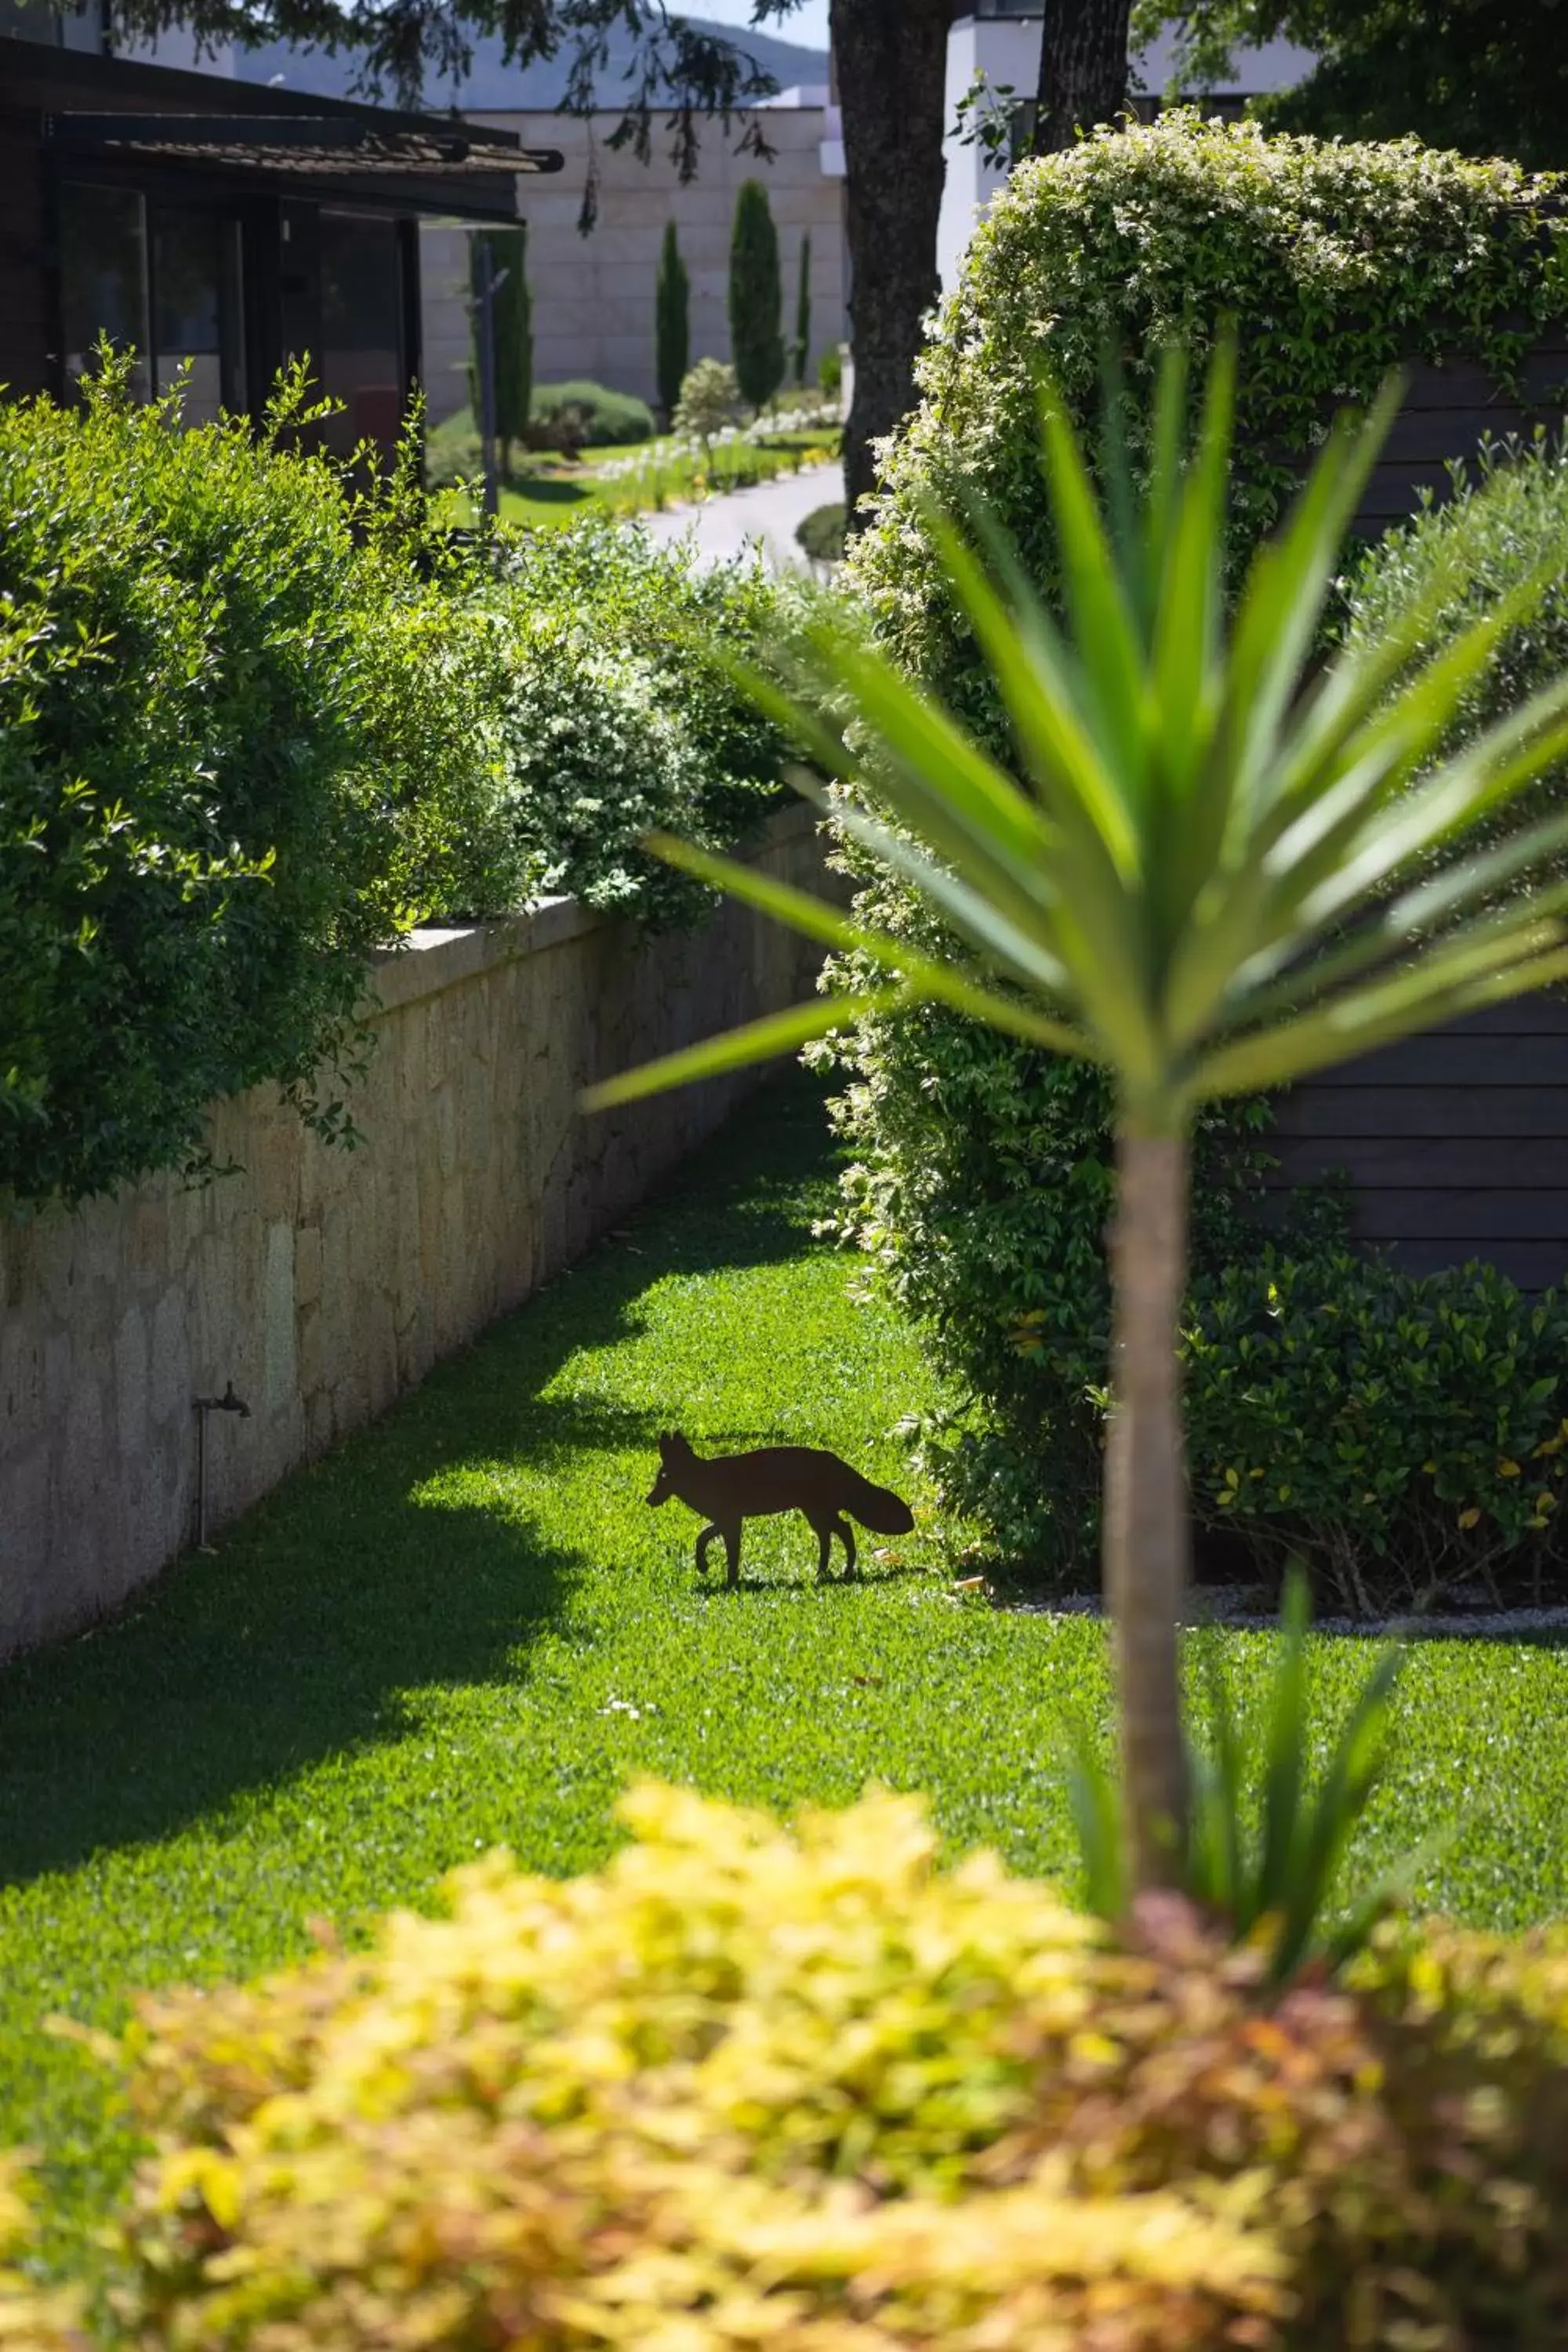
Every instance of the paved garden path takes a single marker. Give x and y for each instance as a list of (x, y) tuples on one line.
[(769, 512)]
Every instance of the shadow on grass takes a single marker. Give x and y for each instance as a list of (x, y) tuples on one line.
[(343, 1589), (548, 489)]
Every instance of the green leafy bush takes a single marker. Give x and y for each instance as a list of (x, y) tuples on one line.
[(710, 400), (594, 760), (254, 721), (1504, 528), (452, 452), (821, 533), (617, 714), (1404, 1435), (745, 2087), (241, 748)]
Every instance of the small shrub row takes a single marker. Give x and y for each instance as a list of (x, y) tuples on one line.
[(744, 2086), (563, 417)]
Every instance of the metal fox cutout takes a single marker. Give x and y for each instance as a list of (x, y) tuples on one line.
[(730, 1488)]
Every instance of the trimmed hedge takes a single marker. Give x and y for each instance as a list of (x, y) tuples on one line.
[(241, 743), (746, 2086), (1335, 261), (608, 418), (1320, 1385)]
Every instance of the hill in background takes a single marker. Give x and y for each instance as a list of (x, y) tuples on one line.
[(491, 84)]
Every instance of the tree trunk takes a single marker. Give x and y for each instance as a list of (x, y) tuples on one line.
[(890, 64), (1083, 69), (1145, 1539)]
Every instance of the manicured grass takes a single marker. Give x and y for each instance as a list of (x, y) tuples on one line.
[(466, 1627)]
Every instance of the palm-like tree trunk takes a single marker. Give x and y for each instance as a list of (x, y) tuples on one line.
[(1145, 1519)]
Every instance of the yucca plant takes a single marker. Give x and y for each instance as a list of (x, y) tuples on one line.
[(1209, 871), (1264, 1845)]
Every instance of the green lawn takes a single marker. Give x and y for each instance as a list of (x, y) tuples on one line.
[(548, 497), (465, 1628)]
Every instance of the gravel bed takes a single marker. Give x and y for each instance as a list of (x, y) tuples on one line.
[(1242, 1605)]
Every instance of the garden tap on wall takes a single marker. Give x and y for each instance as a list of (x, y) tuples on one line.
[(227, 1402)]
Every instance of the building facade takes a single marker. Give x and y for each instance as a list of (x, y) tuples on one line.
[(593, 294), (221, 228)]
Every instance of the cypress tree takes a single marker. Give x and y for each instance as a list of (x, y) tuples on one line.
[(511, 307), (802, 311), (757, 296), (672, 322)]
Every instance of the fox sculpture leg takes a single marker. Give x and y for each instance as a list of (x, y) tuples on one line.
[(731, 1540), (825, 1529)]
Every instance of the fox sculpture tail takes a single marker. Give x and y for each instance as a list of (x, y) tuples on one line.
[(877, 1507)]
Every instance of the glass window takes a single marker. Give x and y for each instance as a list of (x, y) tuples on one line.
[(103, 275), (362, 355), (196, 308)]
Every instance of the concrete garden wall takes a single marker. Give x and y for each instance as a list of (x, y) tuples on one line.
[(323, 1282)]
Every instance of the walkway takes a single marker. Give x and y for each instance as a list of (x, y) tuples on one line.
[(723, 528)]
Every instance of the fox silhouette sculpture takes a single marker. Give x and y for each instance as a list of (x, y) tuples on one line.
[(730, 1488)]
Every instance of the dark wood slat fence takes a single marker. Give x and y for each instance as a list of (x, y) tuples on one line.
[(1455, 1143)]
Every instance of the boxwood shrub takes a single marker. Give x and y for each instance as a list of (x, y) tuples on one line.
[(1402, 1434), (743, 2086)]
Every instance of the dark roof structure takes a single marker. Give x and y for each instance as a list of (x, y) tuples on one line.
[(311, 143)]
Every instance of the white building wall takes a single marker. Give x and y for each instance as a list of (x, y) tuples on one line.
[(593, 296)]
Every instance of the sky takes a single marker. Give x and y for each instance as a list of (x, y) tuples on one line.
[(807, 24)]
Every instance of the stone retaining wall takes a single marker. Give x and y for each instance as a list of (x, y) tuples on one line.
[(323, 1282)]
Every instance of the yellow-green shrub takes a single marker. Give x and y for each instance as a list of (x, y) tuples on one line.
[(32, 2319), (746, 2085)]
